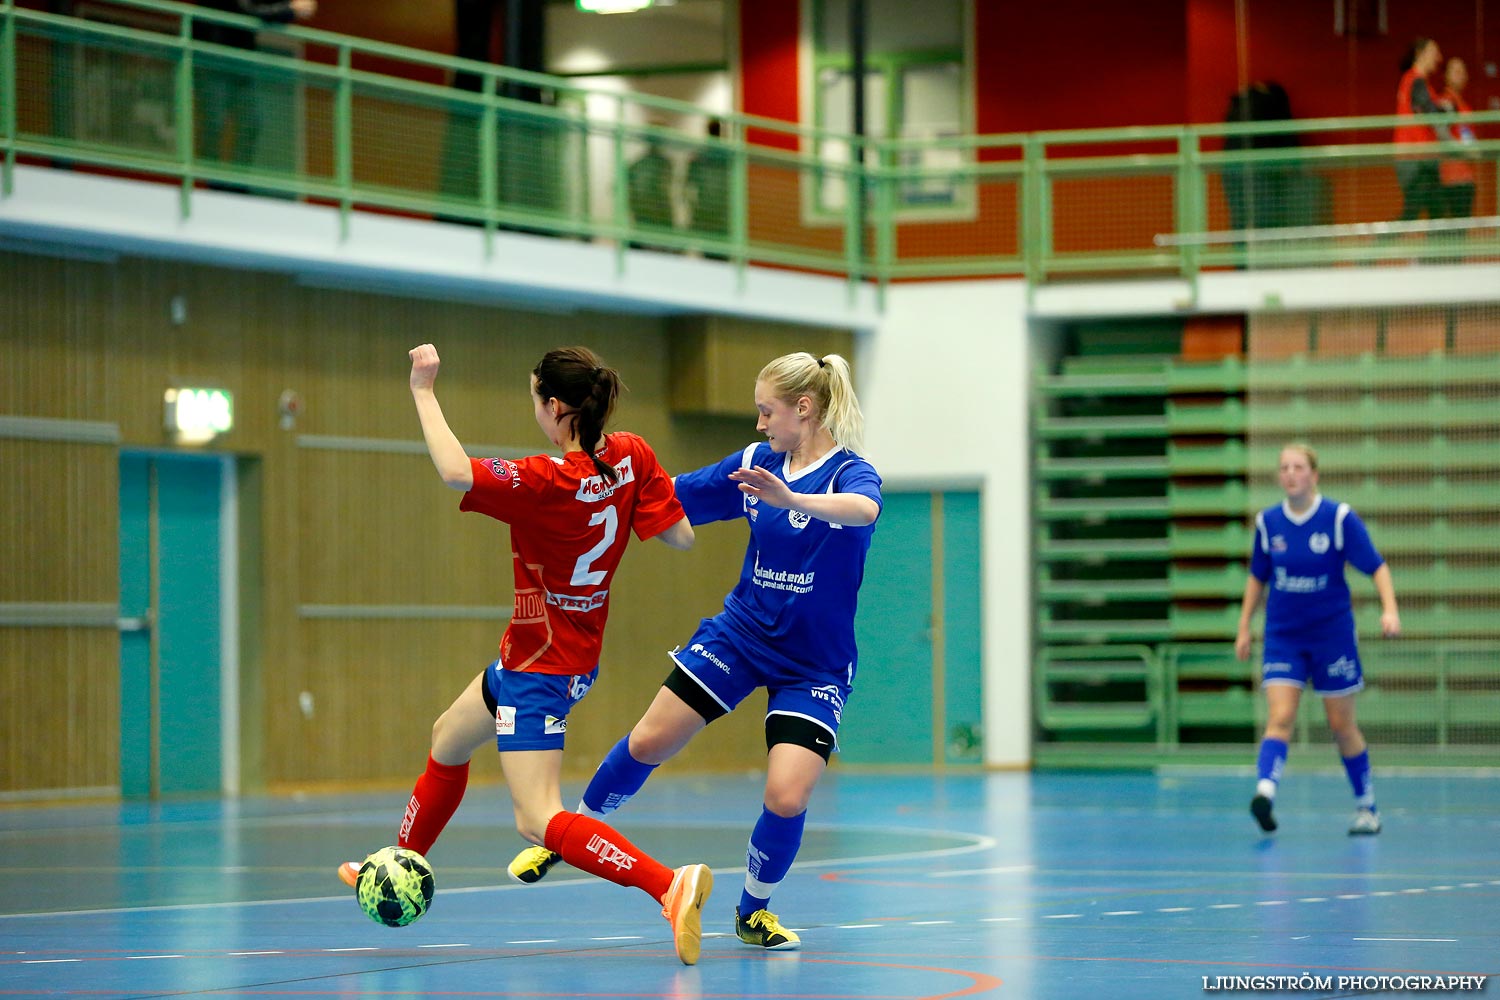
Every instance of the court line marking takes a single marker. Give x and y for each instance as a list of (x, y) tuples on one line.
[(975, 842), (866, 926), (1005, 870)]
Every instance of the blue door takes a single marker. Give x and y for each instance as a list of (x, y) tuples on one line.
[(170, 664), (917, 694)]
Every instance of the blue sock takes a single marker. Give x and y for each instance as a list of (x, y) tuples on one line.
[(1268, 765), (773, 847), (1358, 769), (618, 778)]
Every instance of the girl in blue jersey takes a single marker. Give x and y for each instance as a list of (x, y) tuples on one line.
[(1298, 556), (788, 625)]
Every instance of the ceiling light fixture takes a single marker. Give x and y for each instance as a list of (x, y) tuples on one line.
[(613, 6)]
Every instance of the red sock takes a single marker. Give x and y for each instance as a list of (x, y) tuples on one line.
[(599, 849), (439, 791)]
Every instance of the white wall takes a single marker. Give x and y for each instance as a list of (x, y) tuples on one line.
[(945, 385), (687, 32)]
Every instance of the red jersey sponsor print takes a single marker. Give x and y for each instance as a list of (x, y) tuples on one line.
[(569, 528)]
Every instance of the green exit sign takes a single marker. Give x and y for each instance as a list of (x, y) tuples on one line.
[(198, 415)]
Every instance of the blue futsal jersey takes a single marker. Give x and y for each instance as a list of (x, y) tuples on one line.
[(1301, 560), (796, 595)]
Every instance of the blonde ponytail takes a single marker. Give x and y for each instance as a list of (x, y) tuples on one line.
[(826, 381)]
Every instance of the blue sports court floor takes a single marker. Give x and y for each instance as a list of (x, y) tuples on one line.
[(1054, 885)]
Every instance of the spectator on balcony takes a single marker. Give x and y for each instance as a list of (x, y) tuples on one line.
[(1458, 173), (706, 190), (1421, 187), (650, 190), (1298, 553), (1260, 195), (227, 92)]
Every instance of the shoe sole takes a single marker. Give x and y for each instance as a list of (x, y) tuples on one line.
[(687, 914), (536, 875), (1260, 808), (783, 946), (349, 874), (790, 944)]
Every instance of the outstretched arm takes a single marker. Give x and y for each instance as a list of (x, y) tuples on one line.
[(852, 509), (1390, 617), (448, 455), (679, 536), (1253, 589)]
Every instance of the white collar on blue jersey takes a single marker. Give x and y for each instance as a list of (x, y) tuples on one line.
[(1306, 515), (792, 477)]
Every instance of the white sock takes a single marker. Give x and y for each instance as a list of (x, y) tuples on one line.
[(1266, 787)]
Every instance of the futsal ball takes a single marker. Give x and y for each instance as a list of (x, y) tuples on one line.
[(395, 886)]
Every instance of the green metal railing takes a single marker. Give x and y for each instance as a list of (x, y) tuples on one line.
[(364, 125)]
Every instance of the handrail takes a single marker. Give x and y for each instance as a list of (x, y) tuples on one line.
[(1325, 232), (1034, 205)]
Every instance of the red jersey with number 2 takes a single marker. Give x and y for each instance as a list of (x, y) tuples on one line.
[(568, 529)]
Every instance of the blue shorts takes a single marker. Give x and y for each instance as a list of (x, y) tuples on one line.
[(1331, 664), (531, 710), (716, 658)]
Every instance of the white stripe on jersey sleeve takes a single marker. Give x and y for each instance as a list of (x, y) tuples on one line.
[(1338, 527)]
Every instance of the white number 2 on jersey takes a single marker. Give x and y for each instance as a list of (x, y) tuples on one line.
[(582, 575)]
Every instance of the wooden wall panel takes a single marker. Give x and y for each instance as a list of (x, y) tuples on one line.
[(334, 525), (60, 505), (59, 713), (377, 687)]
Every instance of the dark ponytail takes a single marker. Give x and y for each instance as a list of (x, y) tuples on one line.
[(1409, 58), (577, 377)]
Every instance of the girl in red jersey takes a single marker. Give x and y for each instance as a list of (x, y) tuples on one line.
[(570, 519)]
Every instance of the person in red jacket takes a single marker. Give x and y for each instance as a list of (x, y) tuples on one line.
[(1458, 173), (1421, 187)]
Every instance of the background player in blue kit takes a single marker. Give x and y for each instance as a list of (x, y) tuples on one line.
[(788, 625), (1298, 555)]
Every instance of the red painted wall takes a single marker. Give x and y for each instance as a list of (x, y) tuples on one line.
[(1079, 64), (768, 62), (1084, 64)]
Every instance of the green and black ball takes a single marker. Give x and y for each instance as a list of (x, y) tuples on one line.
[(395, 886)]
